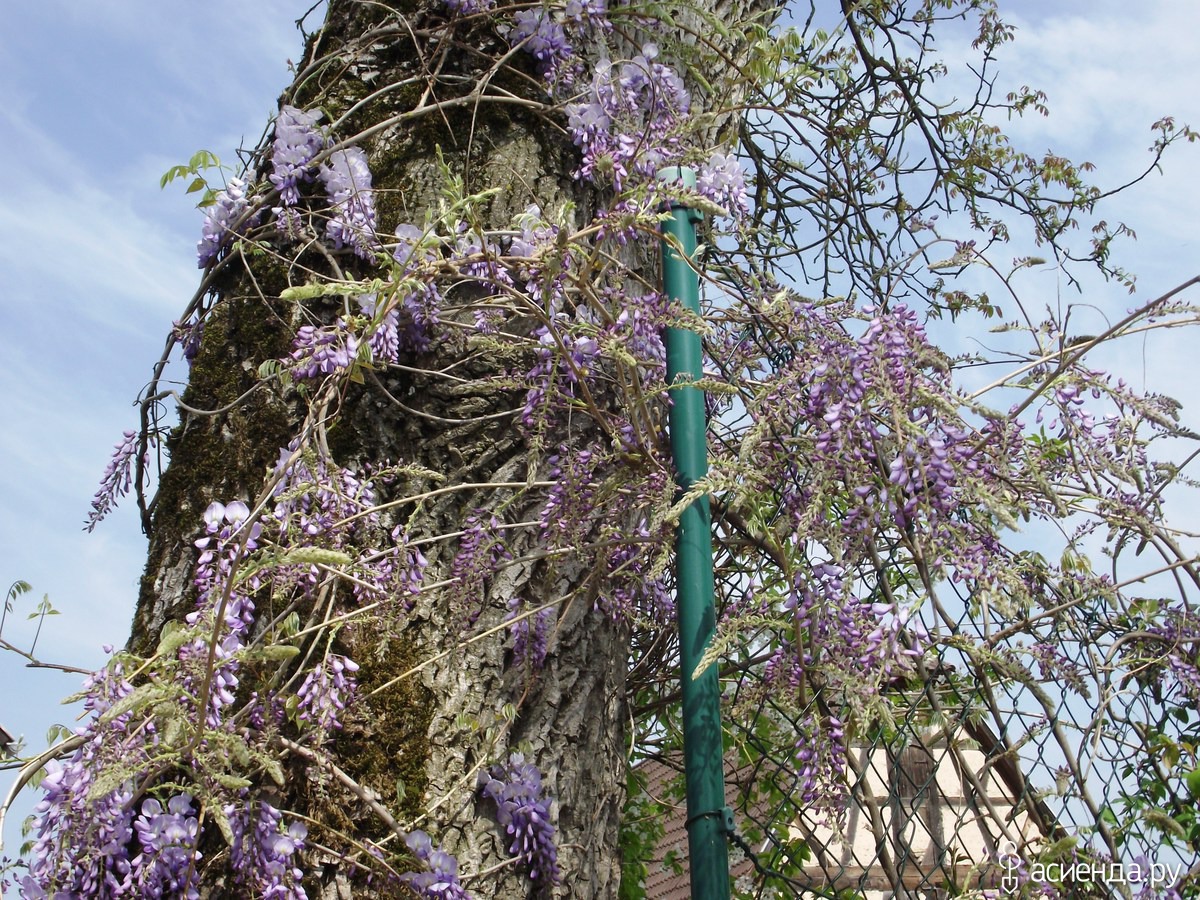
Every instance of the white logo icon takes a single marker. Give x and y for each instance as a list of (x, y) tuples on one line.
[(1007, 857)]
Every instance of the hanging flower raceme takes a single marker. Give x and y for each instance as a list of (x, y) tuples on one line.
[(222, 642), (530, 633), (117, 480), (166, 866), (523, 810), (263, 852), (228, 216), (820, 761), (440, 881), (628, 124), (326, 691), (538, 32), (297, 142), (347, 180), (84, 831), (188, 335), (550, 34), (323, 351), (723, 181)]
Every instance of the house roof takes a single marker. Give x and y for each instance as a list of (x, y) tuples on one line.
[(662, 881)]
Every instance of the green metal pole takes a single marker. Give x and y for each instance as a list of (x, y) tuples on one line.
[(708, 818)]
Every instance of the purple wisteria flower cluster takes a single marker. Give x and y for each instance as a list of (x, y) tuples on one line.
[(321, 351), (911, 474), (440, 881), (347, 180), (228, 216), (314, 494), (570, 507), (523, 811), (469, 7), (323, 505), (1174, 647), (91, 845), (167, 864), (264, 851), (90, 838), (481, 550), (629, 122), (632, 119), (820, 763), (550, 35), (636, 582), (222, 606), (117, 479), (384, 334), (723, 181), (530, 633), (297, 142), (552, 380), (326, 691), (188, 335), (1055, 667), (344, 175), (571, 349), (87, 840)]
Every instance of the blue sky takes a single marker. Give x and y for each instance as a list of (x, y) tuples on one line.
[(96, 261)]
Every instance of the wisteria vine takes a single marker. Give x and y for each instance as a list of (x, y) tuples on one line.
[(854, 480)]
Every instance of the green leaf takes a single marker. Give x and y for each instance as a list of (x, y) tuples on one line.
[(173, 731), (198, 184), (290, 625), (174, 636), (1164, 823), (315, 556), (222, 820), (107, 781), (279, 652), (331, 289), (274, 769), (57, 733), (241, 753), (171, 174), (140, 697), (202, 159), (1193, 782)]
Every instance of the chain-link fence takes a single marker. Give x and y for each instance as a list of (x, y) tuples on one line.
[(1025, 754)]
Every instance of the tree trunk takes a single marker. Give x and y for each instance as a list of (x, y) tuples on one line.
[(403, 81), (431, 732)]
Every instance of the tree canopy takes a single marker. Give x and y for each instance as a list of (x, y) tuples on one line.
[(407, 623)]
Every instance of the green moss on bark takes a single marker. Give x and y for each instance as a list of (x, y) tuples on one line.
[(221, 456)]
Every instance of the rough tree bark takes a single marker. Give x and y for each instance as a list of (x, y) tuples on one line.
[(425, 733), (405, 77)]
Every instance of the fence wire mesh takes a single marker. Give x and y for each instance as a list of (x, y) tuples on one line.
[(1016, 761), (1023, 756)]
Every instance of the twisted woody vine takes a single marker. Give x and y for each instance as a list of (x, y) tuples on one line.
[(872, 512)]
